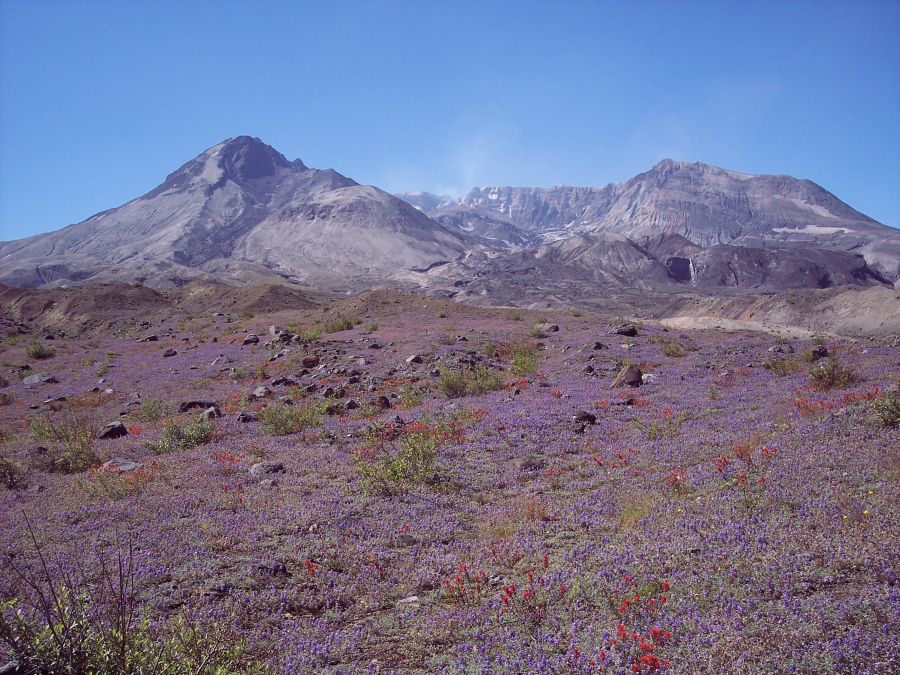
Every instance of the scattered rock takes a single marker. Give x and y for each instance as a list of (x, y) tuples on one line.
[(112, 430), (246, 417), (351, 405), (630, 376), (547, 327), (263, 468), (40, 378), (648, 378), (526, 463), (781, 349), (310, 361), (185, 406), (211, 413), (819, 352), (374, 345), (626, 329), (261, 392), (283, 382), (415, 358), (268, 482), (412, 601), (120, 465), (383, 403), (408, 540), (251, 339), (149, 338), (588, 369), (220, 359), (169, 352), (584, 416)]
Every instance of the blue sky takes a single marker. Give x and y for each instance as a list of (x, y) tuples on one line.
[(99, 101)]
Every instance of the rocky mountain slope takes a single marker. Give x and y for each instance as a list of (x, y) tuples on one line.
[(240, 211), (243, 214), (705, 204)]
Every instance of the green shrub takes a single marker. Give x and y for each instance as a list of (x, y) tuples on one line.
[(340, 323), (71, 443), (389, 466), (452, 383), (887, 410), (39, 351), (153, 409), (782, 367), (11, 474), (831, 374), (75, 628), (819, 339), (485, 380), (576, 314), (372, 327), (673, 349), (285, 420), (178, 436), (310, 334)]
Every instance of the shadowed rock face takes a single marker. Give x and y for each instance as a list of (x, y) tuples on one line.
[(238, 211)]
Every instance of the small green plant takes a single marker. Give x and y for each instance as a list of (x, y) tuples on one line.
[(246, 315), (485, 380), (410, 397), (153, 409), (102, 369), (537, 332), (576, 314), (39, 351), (239, 373), (543, 319), (713, 393), (88, 361), (514, 316), (887, 410), (69, 626), (489, 348), (11, 473), (285, 420), (178, 436), (389, 465), (310, 334), (110, 483), (371, 327), (819, 339), (673, 349), (523, 357), (442, 315), (831, 375), (452, 383), (782, 367), (340, 323), (70, 441)]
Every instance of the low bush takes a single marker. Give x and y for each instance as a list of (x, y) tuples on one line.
[(70, 443), (831, 374), (11, 473), (782, 367), (285, 420), (523, 356), (887, 410), (68, 626), (388, 465), (340, 323), (673, 349), (39, 351), (310, 334), (178, 436), (455, 383)]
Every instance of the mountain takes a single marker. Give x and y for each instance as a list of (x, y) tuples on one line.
[(240, 211), (243, 214), (704, 204)]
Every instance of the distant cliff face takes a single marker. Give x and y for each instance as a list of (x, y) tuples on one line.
[(704, 204)]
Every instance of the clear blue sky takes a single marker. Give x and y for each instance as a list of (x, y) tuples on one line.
[(99, 101)]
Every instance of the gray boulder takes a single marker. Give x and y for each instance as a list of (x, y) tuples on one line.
[(263, 468), (39, 378), (630, 376)]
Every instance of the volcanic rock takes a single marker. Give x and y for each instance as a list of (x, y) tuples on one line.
[(629, 376), (112, 430)]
